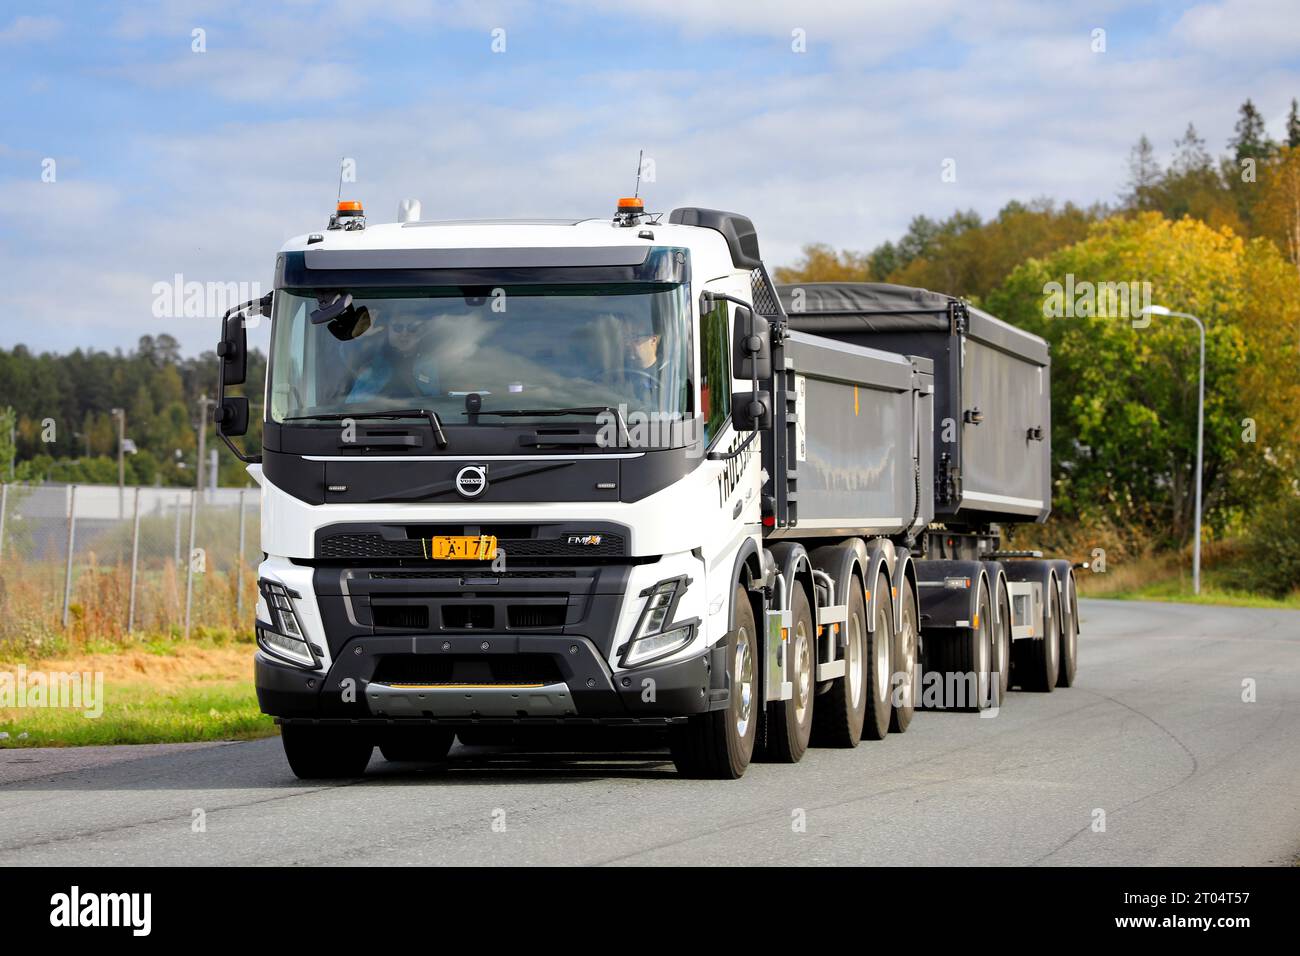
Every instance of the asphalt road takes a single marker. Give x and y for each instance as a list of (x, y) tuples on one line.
[(1155, 734)]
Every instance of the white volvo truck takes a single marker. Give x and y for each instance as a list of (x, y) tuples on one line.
[(569, 473)]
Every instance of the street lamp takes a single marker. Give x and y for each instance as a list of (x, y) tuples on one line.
[(120, 415), (1200, 439)]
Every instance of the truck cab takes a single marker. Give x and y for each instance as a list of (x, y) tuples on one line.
[(500, 477)]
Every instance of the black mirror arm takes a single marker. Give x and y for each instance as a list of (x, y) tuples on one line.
[(728, 455)]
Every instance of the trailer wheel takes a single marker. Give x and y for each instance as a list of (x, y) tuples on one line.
[(1038, 661), (961, 662), (325, 753), (1002, 654), (880, 657), (788, 723), (840, 713), (416, 744), (1069, 639), (905, 686), (718, 745)]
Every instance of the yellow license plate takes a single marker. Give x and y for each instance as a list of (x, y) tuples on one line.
[(454, 547)]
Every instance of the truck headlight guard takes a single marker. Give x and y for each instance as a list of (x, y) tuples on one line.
[(656, 634)]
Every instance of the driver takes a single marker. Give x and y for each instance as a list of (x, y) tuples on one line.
[(404, 366), (642, 371)]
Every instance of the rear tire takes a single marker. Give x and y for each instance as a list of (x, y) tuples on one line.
[(788, 723), (416, 744), (1038, 660), (1069, 664), (1002, 647), (880, 664), (906, 688), (841, 711), (718, 745), (962, 661), (325, 753)]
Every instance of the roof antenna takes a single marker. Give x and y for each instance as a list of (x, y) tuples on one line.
[(639, 156), (339, 197)]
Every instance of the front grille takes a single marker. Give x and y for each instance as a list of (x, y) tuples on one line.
[(403, 616), (349, 545), (470, 573), (476, 669), (522, 617)]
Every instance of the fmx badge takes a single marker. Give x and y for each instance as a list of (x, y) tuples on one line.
[(585, 539), (471, 481)]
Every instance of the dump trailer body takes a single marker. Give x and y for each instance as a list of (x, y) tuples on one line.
[(992, 409), (857, 417)]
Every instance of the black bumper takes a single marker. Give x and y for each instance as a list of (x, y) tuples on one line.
[(348, 693)]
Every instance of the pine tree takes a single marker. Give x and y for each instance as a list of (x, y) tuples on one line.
[(1293, 125), (1143, 175), (1251, 138)]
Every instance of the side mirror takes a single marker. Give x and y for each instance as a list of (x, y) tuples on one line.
[(751, 411), (233, 350), (751, 352), (231, 416)]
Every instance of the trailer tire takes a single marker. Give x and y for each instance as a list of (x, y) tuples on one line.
[(967, 654), (1002, 649), (325, 753), (838, 720), (718, 745), (416, 744), (787, 724), (906, 689), (1069, 655), (1038, 661)]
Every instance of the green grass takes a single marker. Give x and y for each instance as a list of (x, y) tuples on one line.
[(141, 714), (1212, 592)]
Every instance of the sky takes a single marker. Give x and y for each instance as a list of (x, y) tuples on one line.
[(147, 141)]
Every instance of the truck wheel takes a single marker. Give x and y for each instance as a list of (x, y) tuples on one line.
[(325, 753), (1002, 649), (788, 723), (718, 745), (905, 685), (842, 710), (1038, 660), (880, 657), (962, 661), (416, 744), (1069, 639)]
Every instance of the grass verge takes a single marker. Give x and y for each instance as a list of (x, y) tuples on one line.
[(162, 692)]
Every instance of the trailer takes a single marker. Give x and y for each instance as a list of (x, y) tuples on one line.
[(603, 473)]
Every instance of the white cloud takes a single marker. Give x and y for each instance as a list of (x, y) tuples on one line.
[(27, 29), (1242, 28)]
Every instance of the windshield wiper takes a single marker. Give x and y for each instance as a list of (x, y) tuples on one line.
[(435, 423), (592, 410)]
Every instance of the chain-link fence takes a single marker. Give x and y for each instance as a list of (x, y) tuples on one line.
[(97, 562)]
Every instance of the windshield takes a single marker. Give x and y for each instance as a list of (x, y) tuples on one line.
[(518, 348)]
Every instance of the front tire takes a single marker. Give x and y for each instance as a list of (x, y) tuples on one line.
[(325, 753), (719, 745)]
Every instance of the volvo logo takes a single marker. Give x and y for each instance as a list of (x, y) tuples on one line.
[(471, 481)]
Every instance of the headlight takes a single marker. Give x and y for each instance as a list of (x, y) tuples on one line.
[(656, 634), (284, 638)]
